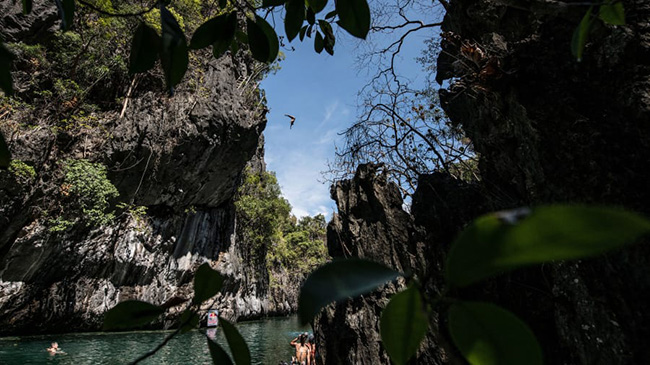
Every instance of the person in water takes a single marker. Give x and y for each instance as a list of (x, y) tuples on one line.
[(54, 349), (311, 343), (302, 350)]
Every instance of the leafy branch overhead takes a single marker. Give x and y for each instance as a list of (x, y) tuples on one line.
[(223, 32)]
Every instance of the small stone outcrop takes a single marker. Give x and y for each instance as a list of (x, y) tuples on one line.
[(370, 224)]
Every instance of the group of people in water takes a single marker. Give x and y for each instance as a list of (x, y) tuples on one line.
[(305, 350)]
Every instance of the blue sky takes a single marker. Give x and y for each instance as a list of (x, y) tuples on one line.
[(321, 92)]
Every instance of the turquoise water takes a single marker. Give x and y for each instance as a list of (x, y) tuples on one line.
[(267, 339)]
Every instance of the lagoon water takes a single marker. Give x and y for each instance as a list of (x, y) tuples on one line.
[(267, 339)]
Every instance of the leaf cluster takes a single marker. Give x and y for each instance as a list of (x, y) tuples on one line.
[(611, 12)]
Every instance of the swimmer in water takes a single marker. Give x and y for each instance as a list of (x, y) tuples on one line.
[(54, 349)]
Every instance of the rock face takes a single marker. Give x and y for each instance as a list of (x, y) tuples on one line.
[(547, 129), (181, 157), (370, 223)]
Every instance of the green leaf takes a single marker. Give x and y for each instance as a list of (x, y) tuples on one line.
[(303, 30), (487, 334), (403, 325), (207, 32), (354, 17), (223, 4), (234, 48), (318, 42), (329, 40), (27, 6), (262, 40), (331, 14), (613, 14), (189, 321), (218, 354), (258, 41), (6, 83), (236, 342), (225, 39), (173, 54), (294, 18), (218, 32), (131, 314), (66, 12), (317, 5), (581, 34), (5, 155), (340, 279), (269, 3), (144, 49), (503, 241), (207, 283), (311, 17)]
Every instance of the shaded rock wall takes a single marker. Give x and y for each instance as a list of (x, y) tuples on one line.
[(547, 129), (181, 157)]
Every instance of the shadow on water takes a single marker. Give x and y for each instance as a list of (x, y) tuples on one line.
[(268, 340)]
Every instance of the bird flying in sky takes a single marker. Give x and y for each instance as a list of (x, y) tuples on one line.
[(293, 120)]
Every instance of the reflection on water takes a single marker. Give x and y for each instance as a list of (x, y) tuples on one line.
[(268, 341)]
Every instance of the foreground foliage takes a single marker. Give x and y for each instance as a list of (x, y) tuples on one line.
[(495, 243)]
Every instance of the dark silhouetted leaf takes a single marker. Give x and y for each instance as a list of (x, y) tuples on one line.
[(331, 14), (223, 4), (294, 18), (144, 49), (581, 34), (329, 40), (317, 5), (131, 314), (502, 241), (66, 12), (207, 283), (311, 17), (340, 279), (269, 3), (237, 344), (173, 55), (234, 48), (318, 42), (271, 36), (303, 30), (487, 334), (5, 155), (208, 32), (403, 325), (258, 41), (223, 42), (27, 6), (218, 354), (6, 83), (189, 321), (613, 14), (354, 17)]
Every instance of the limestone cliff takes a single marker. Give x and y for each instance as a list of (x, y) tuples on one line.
[(181, 158), (547, 129)]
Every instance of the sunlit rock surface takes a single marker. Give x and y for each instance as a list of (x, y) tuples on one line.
[(181, 157)]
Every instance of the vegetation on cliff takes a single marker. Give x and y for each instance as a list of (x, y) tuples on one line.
[(293, 247)]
